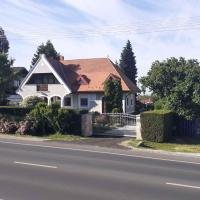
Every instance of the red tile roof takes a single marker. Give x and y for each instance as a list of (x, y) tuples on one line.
[(94, 70)]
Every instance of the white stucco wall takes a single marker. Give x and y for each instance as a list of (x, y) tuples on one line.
[(53, 90), (94, 101)]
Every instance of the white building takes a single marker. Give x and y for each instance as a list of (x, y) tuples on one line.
[(78, 84)]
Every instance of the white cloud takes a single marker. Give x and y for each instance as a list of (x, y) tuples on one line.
[(28, 23)]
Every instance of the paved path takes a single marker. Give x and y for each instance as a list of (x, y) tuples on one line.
[(50, 170)]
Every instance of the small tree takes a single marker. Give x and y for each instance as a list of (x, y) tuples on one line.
[(113, 95), (109, 89), (128, 63), (118, 95), (47, 49)]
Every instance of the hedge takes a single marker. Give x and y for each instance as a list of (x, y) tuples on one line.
[(15, 111), (157, 125)]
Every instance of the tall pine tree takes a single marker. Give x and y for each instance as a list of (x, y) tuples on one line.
[(128, 62), (5, 68), (4, 44), (47, 49)]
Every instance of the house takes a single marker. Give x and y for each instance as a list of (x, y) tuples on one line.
[(77, 84), (19, 75)]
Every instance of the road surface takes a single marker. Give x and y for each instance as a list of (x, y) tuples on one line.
[(47, 172)]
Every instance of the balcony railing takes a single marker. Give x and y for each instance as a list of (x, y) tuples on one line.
[(42, 87)]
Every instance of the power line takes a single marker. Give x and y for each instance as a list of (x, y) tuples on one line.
[(109, 30)]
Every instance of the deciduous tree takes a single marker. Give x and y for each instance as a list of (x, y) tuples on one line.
[(177, 83)]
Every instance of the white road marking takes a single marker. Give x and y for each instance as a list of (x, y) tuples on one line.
[(36, 165), (186, 186), (100, 152)]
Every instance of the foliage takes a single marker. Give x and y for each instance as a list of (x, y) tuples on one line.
[(52, 119), (31, 101), (113, 95), (40, 116), (12, 110), (116, 110), (156, 126), (128, 63), (176, 81), (4, 44), (5, 77), (160, 104), (47, 49)]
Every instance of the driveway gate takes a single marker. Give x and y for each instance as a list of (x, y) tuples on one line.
[(114, 124)]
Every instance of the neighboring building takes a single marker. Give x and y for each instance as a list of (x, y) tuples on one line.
[(77, 83), (19, 74)]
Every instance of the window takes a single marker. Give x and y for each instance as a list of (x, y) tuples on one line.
[(67, 101), (84, 102), (127, 101), (131, 101), (43, 78)]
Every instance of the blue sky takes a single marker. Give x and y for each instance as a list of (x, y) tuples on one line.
[(100, 28)]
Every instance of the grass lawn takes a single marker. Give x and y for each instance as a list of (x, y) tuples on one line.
[(60, 137), (183, 144)]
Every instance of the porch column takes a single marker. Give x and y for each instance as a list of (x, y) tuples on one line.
[(49, 101), (62, 102)]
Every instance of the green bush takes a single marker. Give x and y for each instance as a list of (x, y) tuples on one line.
[(52, 119), (31, 101), (41, 116), (157, 125), (116, 110), (12, 110)]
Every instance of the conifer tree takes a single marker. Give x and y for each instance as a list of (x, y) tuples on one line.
[(4, 44), (128, 62), (5, 68), (47, 49)]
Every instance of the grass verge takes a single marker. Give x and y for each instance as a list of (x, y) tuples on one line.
[(183, 144), (60, 137)]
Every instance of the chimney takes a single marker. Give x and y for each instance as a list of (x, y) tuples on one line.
[(61, 58)]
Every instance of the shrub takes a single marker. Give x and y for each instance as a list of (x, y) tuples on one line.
[(41, 116), (116, 110), (102, 120), (49, 119), (26, 127), (157, 125), (69, 121), (32, 101), (12, 110), (8, 126)]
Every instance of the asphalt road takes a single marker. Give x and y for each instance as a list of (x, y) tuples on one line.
[(43, 173)]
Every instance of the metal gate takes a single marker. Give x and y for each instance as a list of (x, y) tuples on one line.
[(114, 124)]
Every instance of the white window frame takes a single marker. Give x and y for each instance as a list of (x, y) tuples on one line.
[(83, 97), (70, 101)]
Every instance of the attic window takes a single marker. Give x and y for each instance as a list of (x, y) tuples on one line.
[(82, 80), (113, 77)]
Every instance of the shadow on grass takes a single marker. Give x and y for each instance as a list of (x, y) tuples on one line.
[(185, 140)]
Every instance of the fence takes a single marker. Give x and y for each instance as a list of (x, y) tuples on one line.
[(188, 127)]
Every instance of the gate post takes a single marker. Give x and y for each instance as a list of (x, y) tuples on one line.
[(138, 128), (86, 125)]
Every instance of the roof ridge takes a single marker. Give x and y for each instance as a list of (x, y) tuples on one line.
[(85, 59)]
